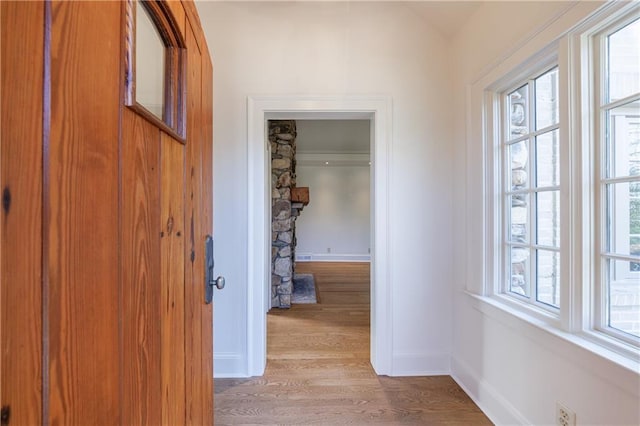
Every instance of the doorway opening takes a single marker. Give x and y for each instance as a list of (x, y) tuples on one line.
[(320, 203), (320, 288), (377, 111)]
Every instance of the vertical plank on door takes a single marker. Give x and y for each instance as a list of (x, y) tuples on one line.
[(83, 221), (140, 263), (194, 273), (191, 11), (172, 232), (207, 228), (22, 58)]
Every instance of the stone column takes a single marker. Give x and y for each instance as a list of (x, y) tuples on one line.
[(282, 137)]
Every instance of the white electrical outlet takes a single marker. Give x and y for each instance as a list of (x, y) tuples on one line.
[(564, 416)]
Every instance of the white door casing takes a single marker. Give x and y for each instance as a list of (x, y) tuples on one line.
[(378, 109)]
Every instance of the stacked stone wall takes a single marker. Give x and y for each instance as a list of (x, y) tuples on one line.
[(282, 137)]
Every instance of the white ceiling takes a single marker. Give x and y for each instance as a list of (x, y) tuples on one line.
[(352, 136), (446, 16), (332, 136)]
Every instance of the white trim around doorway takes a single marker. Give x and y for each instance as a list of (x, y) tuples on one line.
[(377, 109)]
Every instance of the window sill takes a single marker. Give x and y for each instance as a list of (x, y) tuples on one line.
[(529, 311), (621, 368)]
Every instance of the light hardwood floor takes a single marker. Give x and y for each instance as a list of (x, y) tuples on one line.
[(318, 369)]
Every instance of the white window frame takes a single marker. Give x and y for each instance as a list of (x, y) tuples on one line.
[(596, 108), (499, 273), (531, 191), (578, 318)]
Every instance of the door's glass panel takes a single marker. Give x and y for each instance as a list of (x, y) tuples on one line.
[(519, 260), (548, 277), (547, 99), (548, 159), (518, 112), (548, 223), (623, 283), (624, 62), (150, 63)]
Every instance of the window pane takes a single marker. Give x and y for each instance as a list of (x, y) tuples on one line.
[(548, 159), (624, 297), (518, 112), (519, 271), (623, 218), (150, 51), (623, 140), (548, 277), (634, 222), (548, 214), (634, 241), (547, 99), (624, 61), (519, 218), (518, 157)]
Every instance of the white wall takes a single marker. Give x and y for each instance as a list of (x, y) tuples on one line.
[(515, 371), (340, 49), (333, 160), (335, 225), (333, 136)]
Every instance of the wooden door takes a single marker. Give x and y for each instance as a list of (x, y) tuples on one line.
[(21, 181), (104, 218), (199, 329)]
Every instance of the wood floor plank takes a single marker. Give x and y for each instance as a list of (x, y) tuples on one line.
[(318, 368)]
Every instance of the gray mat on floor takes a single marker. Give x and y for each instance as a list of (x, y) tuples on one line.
[(304, 289)]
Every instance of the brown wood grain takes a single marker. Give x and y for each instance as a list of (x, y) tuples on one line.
[(176, 9), (140, 262), (207, 229), (318, 371), (339, 282), (83, 223), (172, 279), (194, 256), (192, 17), (21, 141), (93, 218)]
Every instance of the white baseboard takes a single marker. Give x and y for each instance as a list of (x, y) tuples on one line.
[(229, 365), (436, 364), (329, 257), (491, 402)]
